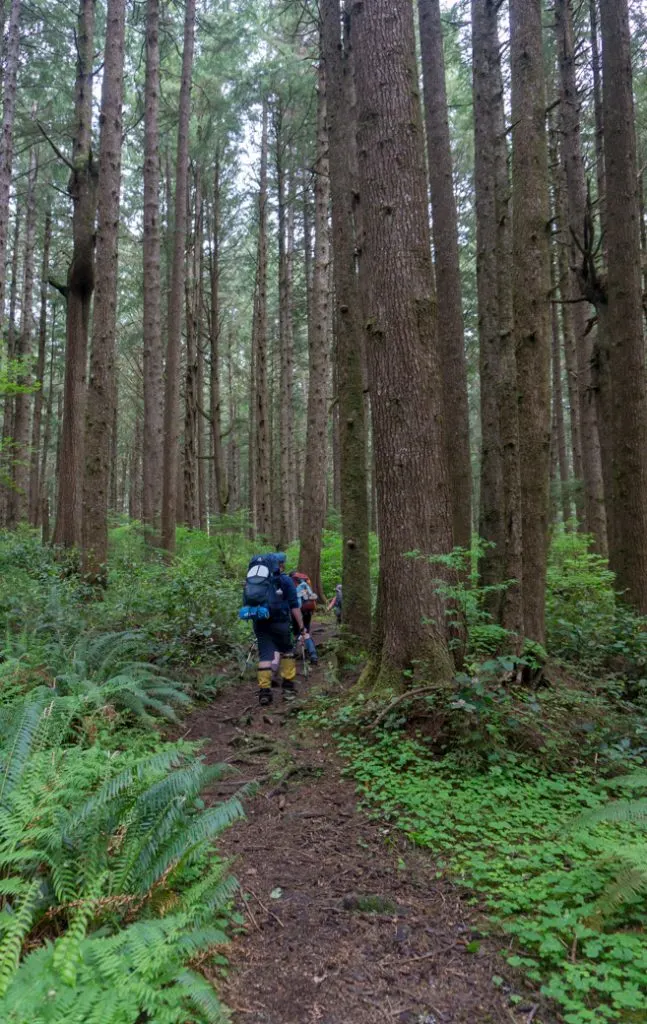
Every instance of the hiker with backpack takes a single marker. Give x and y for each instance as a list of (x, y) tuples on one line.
[(307, 603), (335, 604), (271, 604)]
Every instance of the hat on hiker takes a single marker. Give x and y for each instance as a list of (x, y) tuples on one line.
[(281, 557)]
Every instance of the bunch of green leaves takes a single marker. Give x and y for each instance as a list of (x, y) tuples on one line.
[(108, 882)]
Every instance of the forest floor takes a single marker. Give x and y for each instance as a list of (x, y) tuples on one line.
[(346, 922)]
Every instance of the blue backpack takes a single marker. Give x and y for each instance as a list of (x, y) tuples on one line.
[(262, 596)]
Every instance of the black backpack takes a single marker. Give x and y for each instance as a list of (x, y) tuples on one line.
[(262, 585)]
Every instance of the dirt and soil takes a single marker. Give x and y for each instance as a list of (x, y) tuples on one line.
[(346, 923)]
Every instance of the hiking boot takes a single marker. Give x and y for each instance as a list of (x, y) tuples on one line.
[(264, 698), (314, 660), (289, 692)]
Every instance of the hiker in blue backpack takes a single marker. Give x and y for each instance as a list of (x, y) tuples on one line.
[(270, 602)]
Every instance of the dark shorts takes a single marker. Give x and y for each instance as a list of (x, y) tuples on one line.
[(271, 637)]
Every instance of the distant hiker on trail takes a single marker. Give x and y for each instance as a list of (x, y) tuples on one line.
[(307, 603), (335, 604), (270, 602)]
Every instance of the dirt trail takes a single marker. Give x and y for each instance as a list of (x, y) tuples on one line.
[(346, 923)]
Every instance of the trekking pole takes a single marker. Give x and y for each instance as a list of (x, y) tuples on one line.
[(250, 651)]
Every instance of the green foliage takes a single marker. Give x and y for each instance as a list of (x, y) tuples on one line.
[(508, 836), (106, 872), (111, 895)]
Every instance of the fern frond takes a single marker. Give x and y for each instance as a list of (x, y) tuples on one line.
[(634, 811)]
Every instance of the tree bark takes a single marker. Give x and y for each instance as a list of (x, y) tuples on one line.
[(627, 350), (191, 389), (153, 429), (18, 510), (6, 452), (172, 386), (286, 341), (80, 287), (12, 54), (573, 164), (35, 503), (102, 385), (414, 506), (260, 470), (559, 433), (531, 290), (350, 421), (500, 506), (316, 455), (221, 488), (448, 275)]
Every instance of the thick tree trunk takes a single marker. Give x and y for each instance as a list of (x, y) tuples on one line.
[(80, 286), (176, 296), (221, 486), (316, 456), (153, 352), (414, 506), (260, 481), (19, 498), (102, 386), (531, 289), (575, 206), (35, 503), (627, 348), (350, 423), (448, 275), (491, 519)]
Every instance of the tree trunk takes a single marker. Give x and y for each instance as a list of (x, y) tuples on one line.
[(500, 513), (47, 439), (559, 433), (600, 161), (19, 497), (448, 276), (414, 506), (80, 286), (221, 488), (102, 383), (176, 296), (316, 455), (12, 54), (6, 450), (260, 469), (35, 503), (571, 156), (153, 430), (491, 519), (286, 342), (350, 422), (531, 290), (627, 350), (191, 390)]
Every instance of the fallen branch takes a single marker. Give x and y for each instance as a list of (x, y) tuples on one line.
[(409, 695)]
